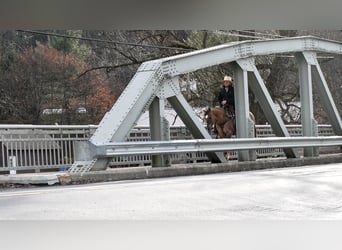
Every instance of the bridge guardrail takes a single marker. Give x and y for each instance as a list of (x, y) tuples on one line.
[(37, 147)]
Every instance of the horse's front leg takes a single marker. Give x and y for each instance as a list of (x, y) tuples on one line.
[(209, 129), (220, 131), (228, 131)]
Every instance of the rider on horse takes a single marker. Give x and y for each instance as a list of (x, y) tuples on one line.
[(222, 119), (226, 100), (226, 96)]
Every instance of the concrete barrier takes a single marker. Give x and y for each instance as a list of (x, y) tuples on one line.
[(197, 169), (135, 173)]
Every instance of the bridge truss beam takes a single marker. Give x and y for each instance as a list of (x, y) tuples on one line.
[(156, 81)]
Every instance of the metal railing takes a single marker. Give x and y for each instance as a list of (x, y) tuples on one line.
[(212, 145), (36, 147), (40, 147)]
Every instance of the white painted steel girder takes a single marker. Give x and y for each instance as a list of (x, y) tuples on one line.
[(159, 129), (243, 123), (134, 100), (305, 83), (305, 60), (168, 88), (230, 52), (213, 145), (326, 98)]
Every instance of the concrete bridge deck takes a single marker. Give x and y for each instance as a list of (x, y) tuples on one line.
[(133, 173)]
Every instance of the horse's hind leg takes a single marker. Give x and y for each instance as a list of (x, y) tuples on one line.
[(220, 131), (228, 130), (226, 155)]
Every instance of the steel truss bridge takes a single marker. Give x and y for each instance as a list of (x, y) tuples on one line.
[(157, 81)]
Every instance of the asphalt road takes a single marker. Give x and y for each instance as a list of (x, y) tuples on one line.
[(311, 192)]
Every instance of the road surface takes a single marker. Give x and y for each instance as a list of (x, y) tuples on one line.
[(311, 192)]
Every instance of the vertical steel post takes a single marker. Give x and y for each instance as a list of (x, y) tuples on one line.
[(159, 129), (243, 122), (309, 127)]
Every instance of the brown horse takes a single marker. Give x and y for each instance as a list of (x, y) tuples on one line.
[(224, 121)]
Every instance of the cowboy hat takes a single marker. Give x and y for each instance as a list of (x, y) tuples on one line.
[(227, 78)]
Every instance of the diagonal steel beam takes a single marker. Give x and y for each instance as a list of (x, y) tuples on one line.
[(326, 98), (134, 100), (193, 123), (259, 89)]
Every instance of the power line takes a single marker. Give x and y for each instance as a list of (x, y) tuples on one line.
[(236, 35), (101, 40), (254, 35), (142, 45), (260, 33)]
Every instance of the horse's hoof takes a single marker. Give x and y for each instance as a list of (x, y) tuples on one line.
[(226, 156)]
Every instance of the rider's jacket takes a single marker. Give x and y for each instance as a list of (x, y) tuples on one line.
[(227, 93)]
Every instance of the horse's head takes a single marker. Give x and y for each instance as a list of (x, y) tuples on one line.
[(206, 112)]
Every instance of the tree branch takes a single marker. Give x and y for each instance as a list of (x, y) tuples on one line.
[(111, 67)]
